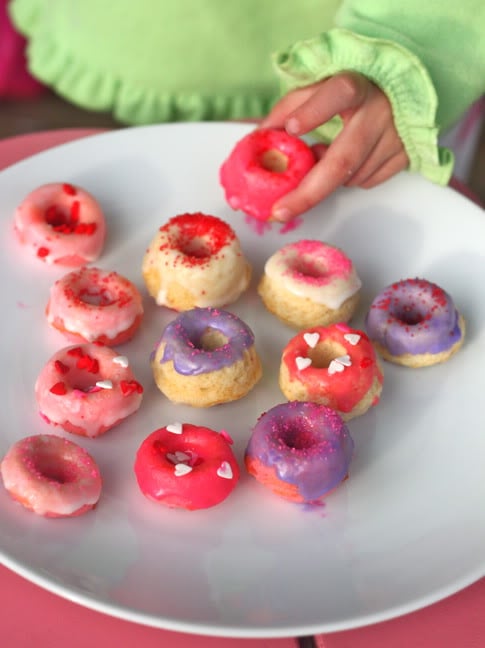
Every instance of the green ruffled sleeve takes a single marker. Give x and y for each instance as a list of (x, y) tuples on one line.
[(396, 70)]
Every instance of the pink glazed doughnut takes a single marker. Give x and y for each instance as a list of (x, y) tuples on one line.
[(92, 305), (186, 466), (264, 165), (87, 389), (61, 224), (51, 476)]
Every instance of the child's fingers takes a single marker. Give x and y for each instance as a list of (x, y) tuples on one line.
[(286, 105), (390, 168), (388, 146)]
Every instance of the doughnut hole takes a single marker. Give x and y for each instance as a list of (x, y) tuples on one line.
[(197, 247), (49, 467), (94, 296), (274, 161), (212, 339), (324, 352), (308, 268), (409, 314), (297, 438)]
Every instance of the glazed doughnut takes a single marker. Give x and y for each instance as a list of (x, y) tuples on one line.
[(87, 389), (51, 476), (335, 366), (195, 260), (299, 450), (204, 357), (415, 323), (264, 165), (61, 224), (310, 283), (92, 305), (186, 466)]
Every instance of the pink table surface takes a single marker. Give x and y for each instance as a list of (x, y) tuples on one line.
[(32, 616)]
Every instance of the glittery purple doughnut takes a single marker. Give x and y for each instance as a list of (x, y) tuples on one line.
[(413, 316), (184, 345), (306, 444)]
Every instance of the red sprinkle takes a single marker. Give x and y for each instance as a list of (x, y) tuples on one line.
[(42, 252), (59, 389), (130, 386), (61, 367), (69, 189)]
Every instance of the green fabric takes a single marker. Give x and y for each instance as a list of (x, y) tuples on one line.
[(149, 61), (165, 60)]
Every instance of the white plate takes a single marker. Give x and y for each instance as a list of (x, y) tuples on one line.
[(406, 529)]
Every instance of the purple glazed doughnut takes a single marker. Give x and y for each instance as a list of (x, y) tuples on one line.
[(299, 450), (204, 357), (414, 322)]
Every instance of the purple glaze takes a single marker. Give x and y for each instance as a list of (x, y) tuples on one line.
[(183, 341), (413, 316), (307, 444)]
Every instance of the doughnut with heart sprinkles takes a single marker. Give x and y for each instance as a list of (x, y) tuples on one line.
[(62, 224), (186, 466), (87, 389), (335, 366)]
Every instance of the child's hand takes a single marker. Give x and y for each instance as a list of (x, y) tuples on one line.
[(366, 152)]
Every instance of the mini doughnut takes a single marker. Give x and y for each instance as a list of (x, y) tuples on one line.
[(264, 165), (335, 366), (51, 476), (415, 323), (92, 305), (61, 224), (186, 466), (87, 389), (299, 450), (204, 357), (195, 260), (310, 283)]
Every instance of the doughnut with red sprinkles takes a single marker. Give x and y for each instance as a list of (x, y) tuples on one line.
[(332, 365), (93, 305), (195, 260), (60, 223), (415, 323), (186, 466), (51, 476), (87, 390)]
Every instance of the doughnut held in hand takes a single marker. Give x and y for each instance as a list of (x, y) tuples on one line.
[(414, 323), (335, 366), (92, 305), (310, 283), (264, 166), (62, 224), (300, 450), (204, 357), (87, 389), (51, 476), (195, 260), (186, 466)]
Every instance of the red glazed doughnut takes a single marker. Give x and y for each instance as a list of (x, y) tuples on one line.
[(61, 224), (87, 389), (264, 165), (186, 466), (92, 305), (51, 476), (335, 366)]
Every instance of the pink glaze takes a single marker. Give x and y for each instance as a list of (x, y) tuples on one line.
[(51, 476), (186, 466), (347, 378), (252, 182), (92, 305), (87, 389), (61, 224)]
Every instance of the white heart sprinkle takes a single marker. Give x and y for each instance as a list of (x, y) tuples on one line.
[(104, 384), (122, 361), (311, 339), (225, 470), (178, 457), (345, 360), (335, 367), (302, 363), (352, 338), (182, 469), (174, 428)]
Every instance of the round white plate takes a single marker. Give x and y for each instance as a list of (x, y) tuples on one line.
[(406, 529)]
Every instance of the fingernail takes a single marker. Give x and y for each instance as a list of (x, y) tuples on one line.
[(281, 214), (292, 126)]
